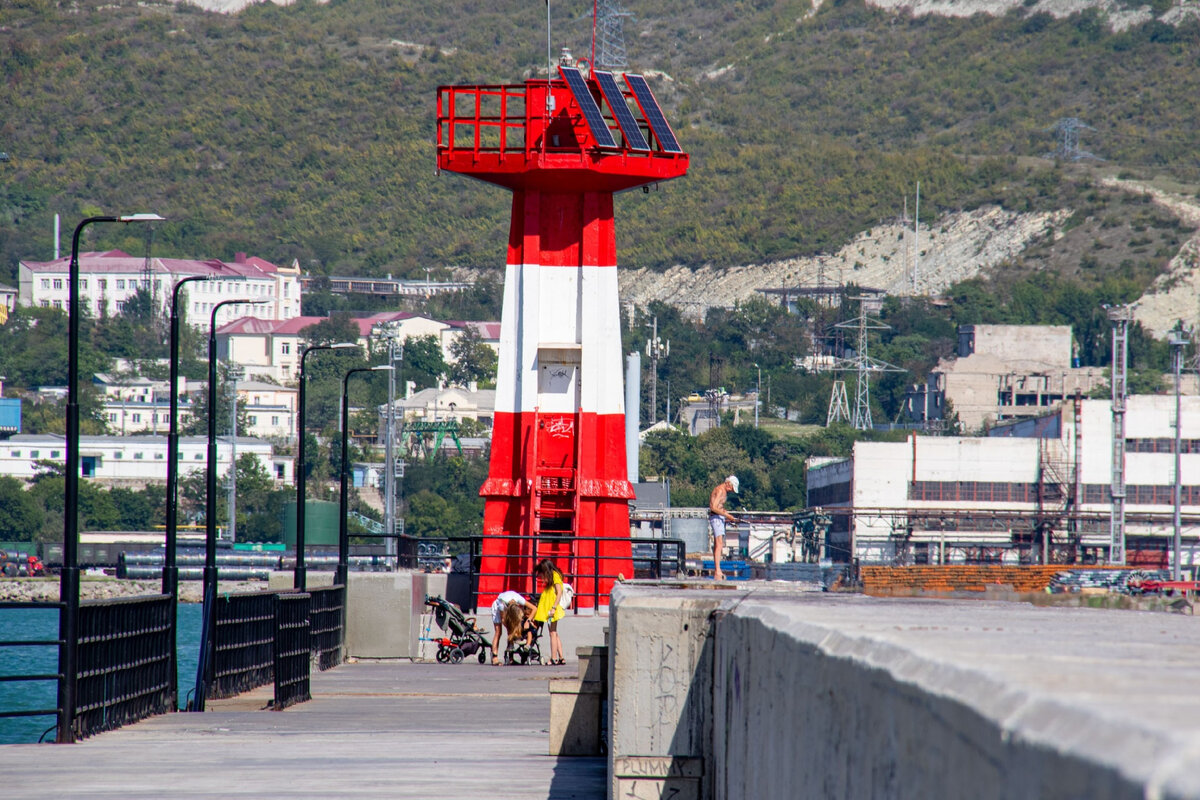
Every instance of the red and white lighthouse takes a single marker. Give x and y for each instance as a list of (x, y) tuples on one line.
[(558, 485)]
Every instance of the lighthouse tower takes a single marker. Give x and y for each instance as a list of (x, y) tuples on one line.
[(557, 484)]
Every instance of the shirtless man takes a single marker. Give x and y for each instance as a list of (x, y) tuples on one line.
[(717, 517)]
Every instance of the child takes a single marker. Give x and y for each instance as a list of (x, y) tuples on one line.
[(509, 609), (549, 607)]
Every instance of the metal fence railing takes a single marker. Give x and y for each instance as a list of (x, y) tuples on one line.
[(245, 643), (327, 620), (257, 632), (293, 649), (652, 558), (124, 658), (19, 651)]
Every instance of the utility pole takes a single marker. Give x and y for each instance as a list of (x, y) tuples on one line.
[(609, 44), (655, 349), (1178, 340), (757, 394), (233, 379), (862, 365), (917, 240), (395, 353), (1120, 316), (1068, 129)]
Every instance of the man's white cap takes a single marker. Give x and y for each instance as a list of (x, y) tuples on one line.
[(733, 481)]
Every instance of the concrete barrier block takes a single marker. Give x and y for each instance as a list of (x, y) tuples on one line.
[(383, 613), (658, 777), (660, 672), (575, 717), (593, 663)]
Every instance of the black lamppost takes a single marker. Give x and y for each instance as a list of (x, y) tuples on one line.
[(343, 567), (68, 626), (170, 576), (208, 634), (300, 578)]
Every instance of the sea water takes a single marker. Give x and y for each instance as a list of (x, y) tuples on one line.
[(25, 624)]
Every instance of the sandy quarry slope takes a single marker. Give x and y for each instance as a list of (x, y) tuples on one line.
[(1175, 294), (959, 246)]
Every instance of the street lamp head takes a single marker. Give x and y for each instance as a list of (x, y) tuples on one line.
[(383, 368), (343, 346), (141, 218)]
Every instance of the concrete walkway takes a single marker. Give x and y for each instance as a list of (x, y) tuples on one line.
[(373, 729)]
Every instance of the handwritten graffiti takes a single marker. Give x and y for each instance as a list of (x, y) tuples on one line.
[(561, 427), (653, 790)]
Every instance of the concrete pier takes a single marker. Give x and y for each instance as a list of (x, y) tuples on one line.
[(759, 691), (374, 729)]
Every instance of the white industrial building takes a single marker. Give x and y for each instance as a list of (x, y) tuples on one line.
[(133, 461), (107, 280), (1035, 490)]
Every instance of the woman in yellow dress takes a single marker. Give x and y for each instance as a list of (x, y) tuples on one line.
[(549, 607)]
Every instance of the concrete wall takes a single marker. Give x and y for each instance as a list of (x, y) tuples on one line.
[(818, 695), (660, 702), (383, 611)]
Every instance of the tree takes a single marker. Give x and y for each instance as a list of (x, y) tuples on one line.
[(21, 517), (423, 362), (335, 329), (136, 332), (474, 360)]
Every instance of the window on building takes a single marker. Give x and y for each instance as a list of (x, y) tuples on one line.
[(45, 283), (274, 420), (279, 472), (45, 304), (198, 457), (58, 284), (253, 419), (120, 306), (286, 348), (102, 283), (83, 285), (160, 456), (120, 283), (15, 453), (139, 455), (118, 454), (58, 304), (56, 454), (35, 453), (137, 418)]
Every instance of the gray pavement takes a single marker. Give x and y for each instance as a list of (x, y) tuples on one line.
[(373, 729)]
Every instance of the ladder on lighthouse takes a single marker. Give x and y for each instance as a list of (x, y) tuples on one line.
[(554, 500)]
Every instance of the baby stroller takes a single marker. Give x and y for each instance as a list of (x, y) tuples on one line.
[(462, 637), (526, 650)]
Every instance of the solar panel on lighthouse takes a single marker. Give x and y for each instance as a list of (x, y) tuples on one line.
[(587, 103), (616, 101), (653, 113)]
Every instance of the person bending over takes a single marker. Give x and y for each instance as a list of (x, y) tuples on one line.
[(508, 605)]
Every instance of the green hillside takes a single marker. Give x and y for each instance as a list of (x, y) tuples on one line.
[(307, 131)]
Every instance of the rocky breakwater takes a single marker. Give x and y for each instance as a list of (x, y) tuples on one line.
[(45, 590)]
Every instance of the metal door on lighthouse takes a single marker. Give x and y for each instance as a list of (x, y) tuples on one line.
[(556, 445)]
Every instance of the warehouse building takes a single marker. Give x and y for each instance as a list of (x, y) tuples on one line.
[(1037, 491)]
